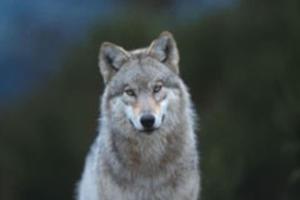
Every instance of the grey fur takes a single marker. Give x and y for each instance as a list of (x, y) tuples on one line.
[(126, 163)]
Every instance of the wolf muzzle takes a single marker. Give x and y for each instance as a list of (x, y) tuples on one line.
[(148, 121)]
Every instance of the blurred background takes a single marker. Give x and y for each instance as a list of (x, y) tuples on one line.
[(241, 60)]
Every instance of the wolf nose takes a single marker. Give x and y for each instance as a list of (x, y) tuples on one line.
[(147, 121)]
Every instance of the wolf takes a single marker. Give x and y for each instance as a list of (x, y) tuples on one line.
[(146, 145)]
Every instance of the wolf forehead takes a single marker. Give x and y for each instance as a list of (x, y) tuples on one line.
[(144, 73), (160, 58)]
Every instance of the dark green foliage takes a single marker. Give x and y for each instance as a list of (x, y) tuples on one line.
[(242, 66)]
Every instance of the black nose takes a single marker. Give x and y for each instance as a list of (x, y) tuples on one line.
[(147, 121)]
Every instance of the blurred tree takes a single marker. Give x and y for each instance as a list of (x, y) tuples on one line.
[(152, 5)]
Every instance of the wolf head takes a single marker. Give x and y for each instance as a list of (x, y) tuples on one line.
[(143, 91)]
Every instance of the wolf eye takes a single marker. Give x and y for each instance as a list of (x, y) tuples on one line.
[(157, 88), (129, 92)]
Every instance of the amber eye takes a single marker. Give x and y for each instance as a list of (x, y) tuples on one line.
[(157, 88), (129, 92)]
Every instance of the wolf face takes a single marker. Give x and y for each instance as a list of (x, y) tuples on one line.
[(142, 85), (145, 108)]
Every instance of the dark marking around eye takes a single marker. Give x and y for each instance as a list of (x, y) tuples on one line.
[(130, 92), (157, 88)]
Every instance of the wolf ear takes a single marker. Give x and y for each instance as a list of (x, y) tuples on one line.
[(111, 58), (165, 50)]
